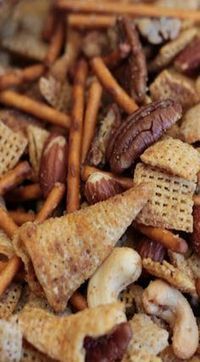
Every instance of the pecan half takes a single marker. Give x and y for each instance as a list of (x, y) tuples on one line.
[(139, 131), (188, 61), (109, 123), (148, 248), (136, 69), (108, 348)]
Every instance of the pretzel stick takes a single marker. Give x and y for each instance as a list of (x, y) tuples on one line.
[(78, 301), (93, 104), (196, 199), (164, 237), (92, 21), (54, 198), (25, 193), (133, 10), (111, 85), (125, 182), (37, 109), (117, 56), (3, 265), (75, 137), (56, 43), (14, 177), (7, 224), (20, 217), (21, 76)]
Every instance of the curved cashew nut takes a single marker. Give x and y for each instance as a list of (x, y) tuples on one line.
[(121, 268), (168, 303)]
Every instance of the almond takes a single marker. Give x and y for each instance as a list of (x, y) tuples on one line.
[(100, 187), (195, 237), (148, 248), (53, 166)]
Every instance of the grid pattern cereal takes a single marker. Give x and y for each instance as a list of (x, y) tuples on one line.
[(12, 146), (190, 129), (170, 274), (9, 300), (174, 156), (171, 204)]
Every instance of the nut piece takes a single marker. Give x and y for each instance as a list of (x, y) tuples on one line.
[(170, 84), (188, 60), (139, 131), (136, 70), (100, 187), (158, 31), (148, 248), (169, 304), (195, 237), (53, 166), (110, 347)]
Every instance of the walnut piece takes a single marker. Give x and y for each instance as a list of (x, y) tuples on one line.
[(188, 60), (139, 131)]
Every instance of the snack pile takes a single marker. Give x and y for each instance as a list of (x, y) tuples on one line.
[(99, 181)]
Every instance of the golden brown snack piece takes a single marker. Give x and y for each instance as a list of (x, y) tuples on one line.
[(172, 275), (66, 343), (12, 146), (36, 140), (170, 193), (168, 356), (10, 341), (175, 157), (147, 336), (140, 356), (190, 127), (30, 354), (14, 177), (171, 84), (78, 243), (6, 247), (9, 300)]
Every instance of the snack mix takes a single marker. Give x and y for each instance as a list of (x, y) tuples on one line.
[(99, 181)]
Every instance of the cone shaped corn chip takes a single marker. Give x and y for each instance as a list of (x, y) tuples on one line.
[(66, 251)]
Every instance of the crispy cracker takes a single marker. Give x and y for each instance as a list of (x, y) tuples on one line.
[(10, 341), (180, 262), (172, 275), (190, 127), (6, 247), (171, 205), (147, 336), (9, 300), (66, 343), (169, 51), (171, 84), (36, 140), (12, 146), (57, 93), (175, 157), (26, 45), (132, 296), (140, 356), (174, 131), (66, 251), (194, 263)]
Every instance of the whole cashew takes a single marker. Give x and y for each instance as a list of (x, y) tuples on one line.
[(121, 268), (162, 300)]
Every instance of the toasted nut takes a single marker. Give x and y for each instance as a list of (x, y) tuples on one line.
[(139, 131), (53, 166), (120, 269), (148, 248), (100, 187), (162, 300), (195, 237), (188, 60)]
